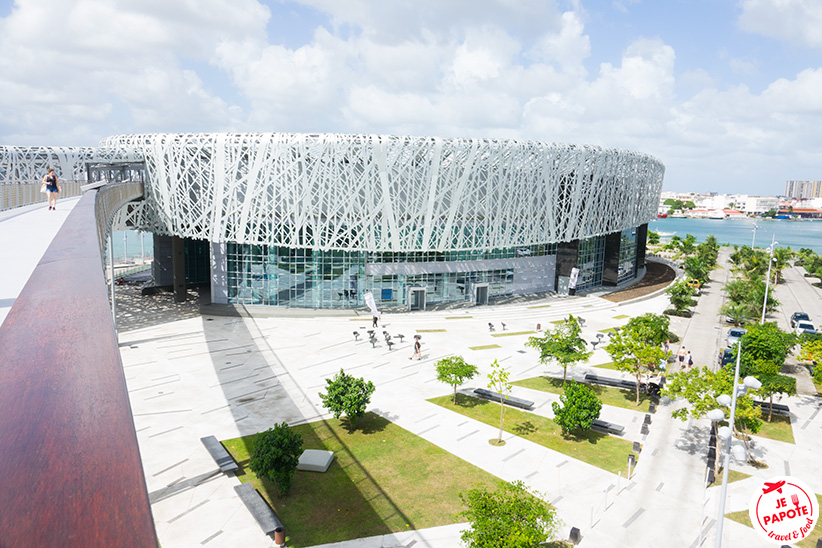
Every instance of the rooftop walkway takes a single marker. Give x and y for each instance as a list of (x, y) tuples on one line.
[(191, 375)]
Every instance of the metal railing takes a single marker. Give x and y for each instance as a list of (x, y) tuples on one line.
[(24, 193)]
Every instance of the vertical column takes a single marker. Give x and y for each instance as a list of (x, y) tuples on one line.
[(567, 259), (178, 267), (641, 242), (610, 268), (219, 277)]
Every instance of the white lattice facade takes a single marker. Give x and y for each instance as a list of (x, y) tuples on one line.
[(317, 220)]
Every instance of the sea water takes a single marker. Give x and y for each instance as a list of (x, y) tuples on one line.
[(796, 234)]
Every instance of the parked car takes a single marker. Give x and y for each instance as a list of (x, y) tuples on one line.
[(726, 356), (734, 334), (799, 316), (803, 326)]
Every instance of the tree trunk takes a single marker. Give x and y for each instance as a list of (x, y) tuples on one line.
[(564, 373), (455, 394), (770, 408), (638, 376), (501, 412)]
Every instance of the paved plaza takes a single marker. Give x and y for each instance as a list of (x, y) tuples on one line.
[(192, 374)]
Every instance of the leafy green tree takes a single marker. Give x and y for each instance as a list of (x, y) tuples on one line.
[(498, 381), (773, 385), (688, 245), (764, 350), (347, 394), (738, 314), (275, 454), (708, 251), (680, 294), (637, 347), (454, 370), (689, 204), (811, 349), (580, 407), (700, 387), (653, 237), (564, 345), (697, 269), (510, 517)]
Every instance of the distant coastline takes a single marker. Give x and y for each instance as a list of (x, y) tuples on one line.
[(796, 234)]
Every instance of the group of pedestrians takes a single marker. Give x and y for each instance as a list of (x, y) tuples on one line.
[(377, 317), (686, 361)]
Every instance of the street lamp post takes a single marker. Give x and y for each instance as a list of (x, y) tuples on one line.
[(726, 433), (771, 259), (753, 240)]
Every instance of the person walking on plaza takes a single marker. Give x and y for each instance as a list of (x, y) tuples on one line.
[(681, 355), (417, 348), (689, 360), (52, 188), (374, 320)]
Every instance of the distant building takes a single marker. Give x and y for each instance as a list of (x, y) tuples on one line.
[(759, 204), (803, 189)]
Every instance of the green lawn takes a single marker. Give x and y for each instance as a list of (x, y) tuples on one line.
[(810, 541), (383, 479), (484, 347), (606, 394), (733, 475), (511, 333), (601, 450), (609, 365), (779, 428)]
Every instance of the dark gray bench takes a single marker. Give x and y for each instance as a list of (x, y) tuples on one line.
[(219, 454), (510, 400), (607, 427), (778, 408), (262, 512), (608, 381)]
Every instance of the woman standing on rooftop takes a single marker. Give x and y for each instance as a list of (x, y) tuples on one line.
[(52, 188)]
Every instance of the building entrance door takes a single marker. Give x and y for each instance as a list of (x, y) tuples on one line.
[(416, 298), (480, 294)]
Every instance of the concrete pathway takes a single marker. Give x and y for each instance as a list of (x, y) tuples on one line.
[(25, 234)]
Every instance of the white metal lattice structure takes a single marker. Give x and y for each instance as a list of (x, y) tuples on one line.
[(24, 165), (386, 193)]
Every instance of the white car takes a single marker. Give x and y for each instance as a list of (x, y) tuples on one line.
[(734, 334), (804, 326)]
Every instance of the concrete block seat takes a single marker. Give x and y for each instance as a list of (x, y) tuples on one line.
[(315, 460)]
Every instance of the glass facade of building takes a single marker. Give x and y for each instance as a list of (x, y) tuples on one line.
[(627, 255), (282, 276), (590, 261)]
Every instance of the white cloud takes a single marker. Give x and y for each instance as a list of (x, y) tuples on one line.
[(68, 61), (796, 21)]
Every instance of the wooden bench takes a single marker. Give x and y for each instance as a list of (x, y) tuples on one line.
[(262, 512), (510, 400), (778, 408), (219, 454), (607, 427)]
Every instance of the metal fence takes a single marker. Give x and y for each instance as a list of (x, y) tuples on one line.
[(27, 193)]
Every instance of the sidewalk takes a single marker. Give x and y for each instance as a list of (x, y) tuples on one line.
[(25, 234)]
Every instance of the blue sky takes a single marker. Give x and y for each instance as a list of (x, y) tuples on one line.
[(725, 93)]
